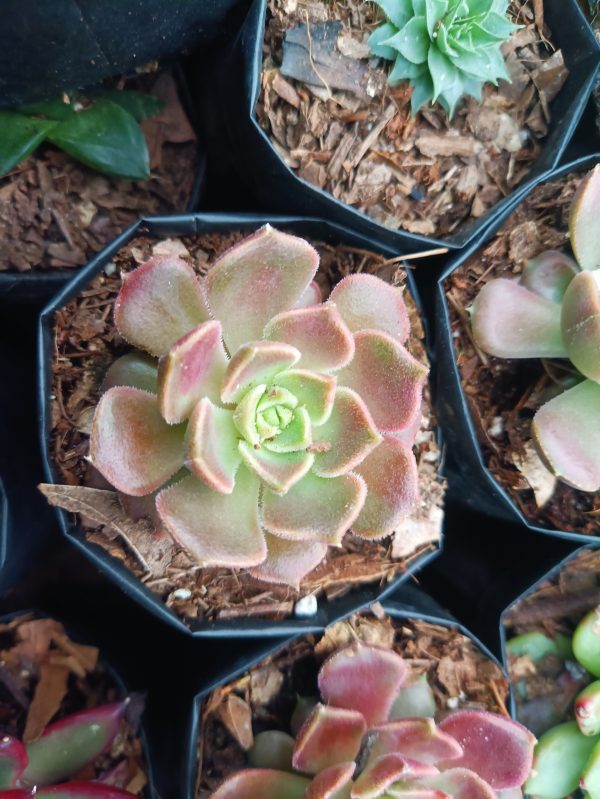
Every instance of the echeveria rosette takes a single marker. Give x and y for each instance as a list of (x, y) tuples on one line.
[(553, 311), (62, 751), (261, 421), (353, 745), (446, 49)]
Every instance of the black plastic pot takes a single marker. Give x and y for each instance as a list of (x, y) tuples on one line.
[(195, 224), (35, 288), (550, 575), (46, 48), (408, 603), (152, 789), (476, 486), (233, 90)]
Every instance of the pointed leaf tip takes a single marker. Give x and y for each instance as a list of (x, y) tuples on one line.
[(159, 303), (345, 680), (479, 733), (262, 276)]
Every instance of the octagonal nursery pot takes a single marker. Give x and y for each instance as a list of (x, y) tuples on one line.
[(69, 724), (212, 601), (277, 689), (234, 91), (550, 650), (483, 402)]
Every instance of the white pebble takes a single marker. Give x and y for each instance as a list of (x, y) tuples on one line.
[(497, 427), (181, 593), (110, 269), (306, 607)]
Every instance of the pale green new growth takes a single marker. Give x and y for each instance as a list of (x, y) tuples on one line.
[(446, 49)]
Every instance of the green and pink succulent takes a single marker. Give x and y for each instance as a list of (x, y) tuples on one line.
[(366, 740), (567, 756), (259, 422), (553, 311), (37, 769)]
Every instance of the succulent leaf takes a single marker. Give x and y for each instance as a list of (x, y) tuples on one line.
[(315, 509), (559, 759), (159, 303), (459, 783), (288, 562), (334, 782), (583, 221), (82, 790), (266, 783), (455, 43), (418, 739), (212, 452), (313, 391), (566, 431), (278, 470), (319, 332), (255, 363), (215, 529), (263, 275), (367, 303), (480, 733), (586, 642), (131, 444), (510, 321), (345, 680), (310, 296), (346, 438), (272, 749), (587, 709), (549, 274), (329, 736), (136, 369), (13, 760), (392, 479), (379, 773), (580, 323), (193, 368), (415, 699), (68, 745), (537, 645), (387, 377), (590, 777)]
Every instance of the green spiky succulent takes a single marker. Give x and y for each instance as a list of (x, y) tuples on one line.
[(446, 49)]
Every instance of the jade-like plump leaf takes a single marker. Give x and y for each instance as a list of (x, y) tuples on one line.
[(580, 323), (272, 749), (329, 736), (537, 645), (417, 738), (583, 221), (549, 274), (446, 48), (265, 783), (415, 699), (82, 790), (13, 760), (559, 759), (381, 772), (587, 709), (334, 782), (586, 642), (590, 777)]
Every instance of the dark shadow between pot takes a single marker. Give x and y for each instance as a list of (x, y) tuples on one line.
[(36, 288), (408, 603), (475, 486), (195, 224), (242, 151)]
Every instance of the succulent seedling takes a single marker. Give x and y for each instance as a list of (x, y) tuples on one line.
[(262, 423), (354, 744), (567, 756), (64, 748), (446, 49), (553, 311)]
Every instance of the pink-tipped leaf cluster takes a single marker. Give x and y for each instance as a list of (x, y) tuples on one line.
[(38, 768), (352, 745), (553, 311), (261, 422)]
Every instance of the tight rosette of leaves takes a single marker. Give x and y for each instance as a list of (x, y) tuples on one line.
[(553, 311), (446, 49), (367, 740), (264, 423)]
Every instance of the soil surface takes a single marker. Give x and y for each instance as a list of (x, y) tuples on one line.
[(545, 688), (45, 676), (86, 344), (334, 119), (503, 395), (57, 213), (265, 697)]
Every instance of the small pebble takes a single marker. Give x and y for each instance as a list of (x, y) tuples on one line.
[(181, 594), (110, 269), (306, 607), (497, 427)]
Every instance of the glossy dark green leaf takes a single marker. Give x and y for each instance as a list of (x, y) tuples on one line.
[(106, 138), (19, 136), (55, 109), (140, 105)]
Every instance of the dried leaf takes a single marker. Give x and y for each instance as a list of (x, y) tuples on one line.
[(541, 480), (237, 717), (49, 694), (265, 684), (153, 552)]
